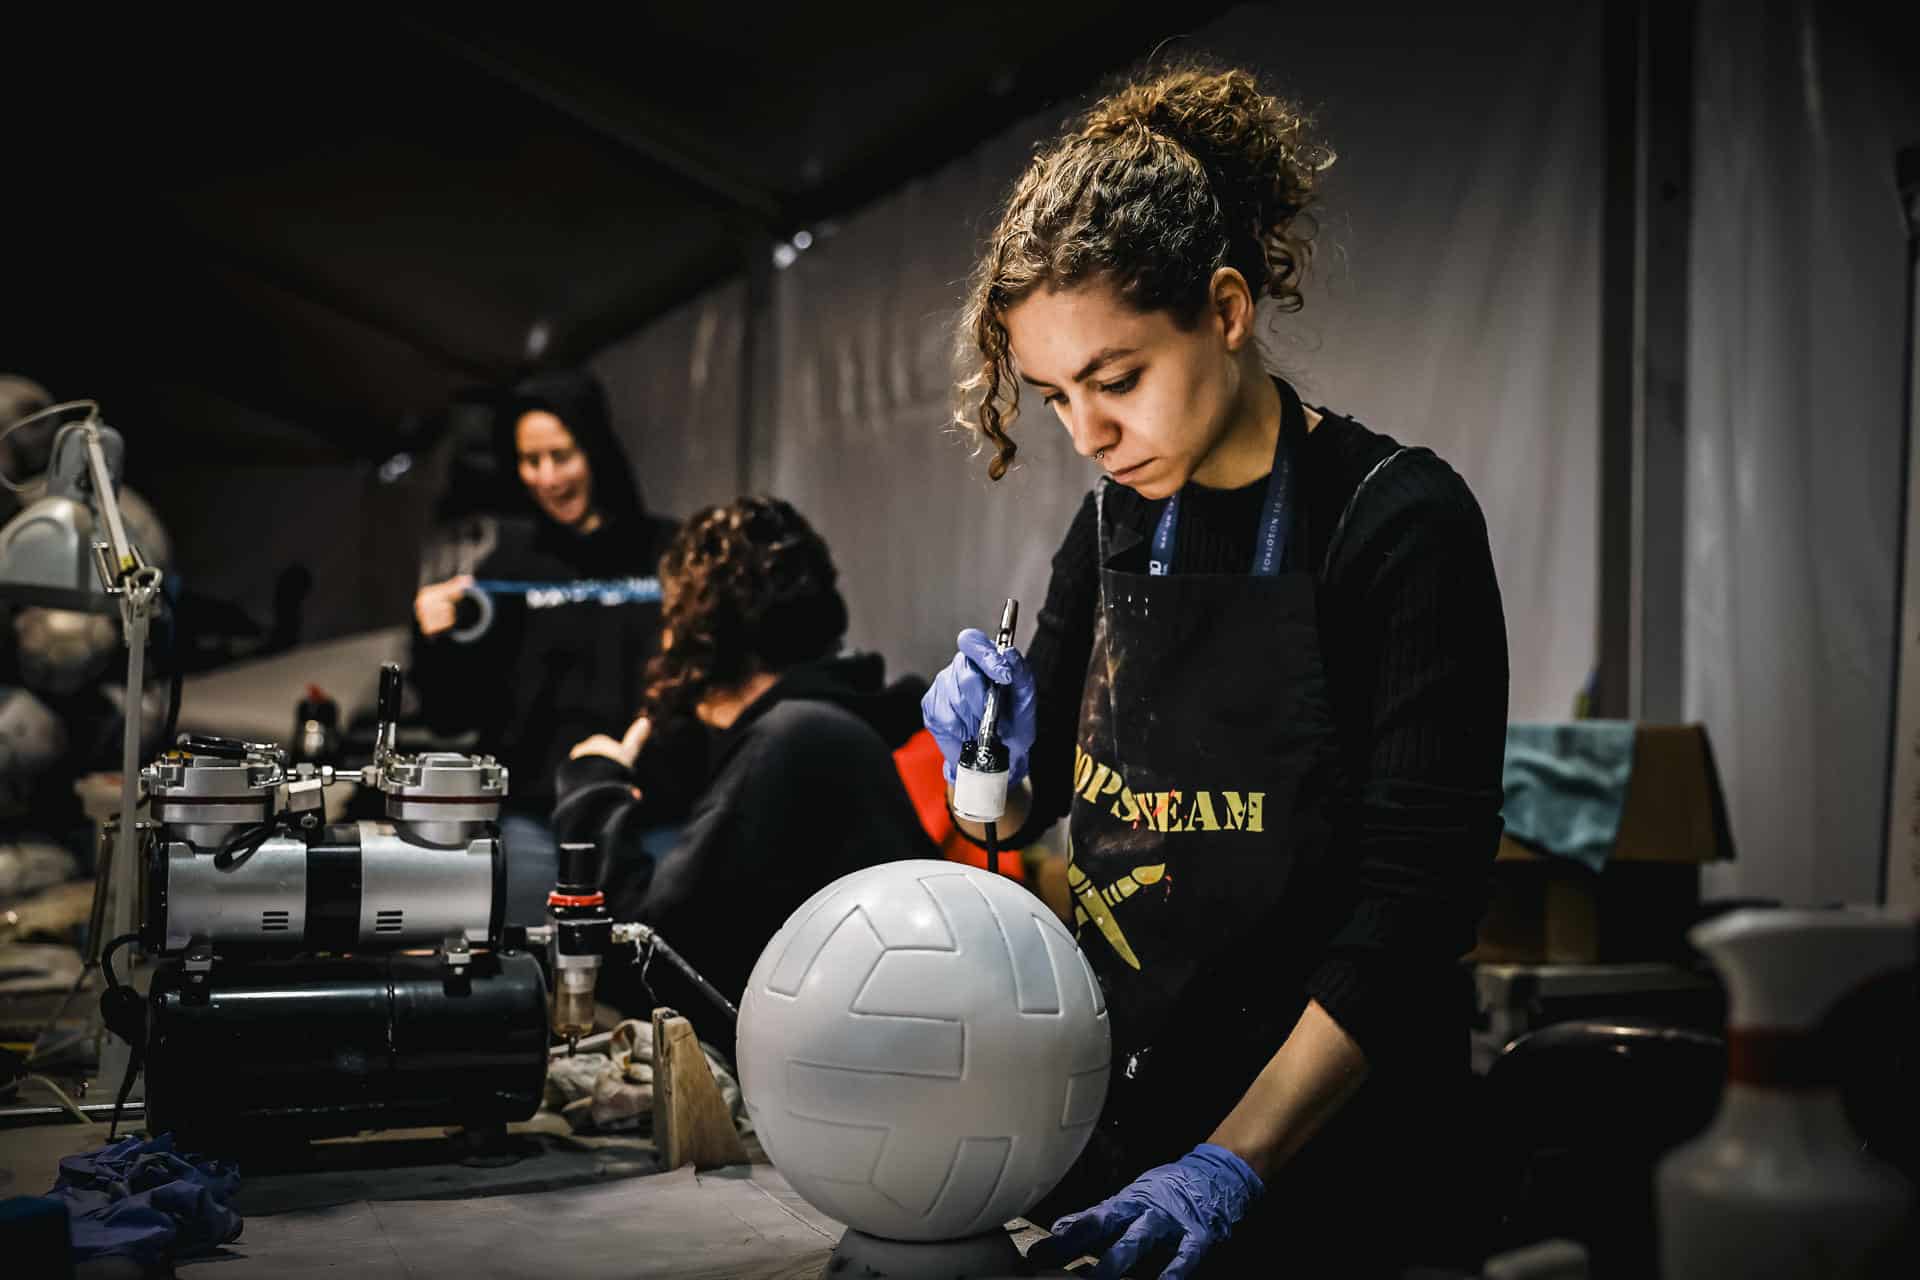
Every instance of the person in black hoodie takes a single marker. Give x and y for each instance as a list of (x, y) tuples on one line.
[(803, 787), (537, 670)]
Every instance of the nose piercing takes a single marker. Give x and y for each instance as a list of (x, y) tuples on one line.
[(1099, 455)]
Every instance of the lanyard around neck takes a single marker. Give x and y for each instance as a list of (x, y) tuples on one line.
[(1270, 548)]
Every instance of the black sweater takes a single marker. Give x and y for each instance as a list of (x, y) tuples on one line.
[(542, 678), (803, 790), (1414, 643), (550, 672)]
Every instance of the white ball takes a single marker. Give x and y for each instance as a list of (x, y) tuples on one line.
[(923, 1049)]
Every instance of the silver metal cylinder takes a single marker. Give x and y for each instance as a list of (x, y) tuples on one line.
[(422, 895), (259, 899), (376, 890)]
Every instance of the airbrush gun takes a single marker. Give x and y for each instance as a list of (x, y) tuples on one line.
[(980, 775)]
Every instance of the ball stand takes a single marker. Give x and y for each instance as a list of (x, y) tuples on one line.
[(988, 1256)]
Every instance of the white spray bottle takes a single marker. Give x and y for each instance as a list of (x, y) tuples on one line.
[(1777, 1188)]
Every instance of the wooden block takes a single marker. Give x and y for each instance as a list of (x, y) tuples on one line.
[(690, 1120)]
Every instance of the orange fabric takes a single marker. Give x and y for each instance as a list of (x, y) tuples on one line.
[(919, 763)]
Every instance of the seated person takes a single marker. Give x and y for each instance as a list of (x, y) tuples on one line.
[(802, 786), (549, 668)]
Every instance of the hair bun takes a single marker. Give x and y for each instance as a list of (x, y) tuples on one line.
[(1258, 150)]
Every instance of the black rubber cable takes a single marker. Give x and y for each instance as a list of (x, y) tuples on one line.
[(707, 989), (125, 1014), (106, 958), (239, 846)]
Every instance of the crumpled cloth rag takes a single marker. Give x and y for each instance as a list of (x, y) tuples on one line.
[(140, 1198)]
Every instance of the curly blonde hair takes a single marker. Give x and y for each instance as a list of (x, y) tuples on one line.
[(1156, 187)]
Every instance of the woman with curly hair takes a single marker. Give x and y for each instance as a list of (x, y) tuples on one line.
[(801, 788), (1267, 690)]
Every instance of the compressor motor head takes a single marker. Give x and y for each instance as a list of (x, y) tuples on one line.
[(240, 859)]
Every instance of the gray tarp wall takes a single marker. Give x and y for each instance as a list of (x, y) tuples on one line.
[(1455, 303), (1796, 360)]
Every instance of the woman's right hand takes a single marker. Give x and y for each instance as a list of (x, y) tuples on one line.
[(957, 698), (626, 751), (435, 605)]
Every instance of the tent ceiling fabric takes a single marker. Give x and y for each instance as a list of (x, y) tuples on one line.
[(338, 229)]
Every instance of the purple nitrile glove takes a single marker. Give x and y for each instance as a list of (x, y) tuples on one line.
[(957, 698), (1190, 1205)]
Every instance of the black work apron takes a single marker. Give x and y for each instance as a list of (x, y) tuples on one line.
[(1200, 828)]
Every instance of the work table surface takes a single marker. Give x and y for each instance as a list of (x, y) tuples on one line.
[(542, 1203)]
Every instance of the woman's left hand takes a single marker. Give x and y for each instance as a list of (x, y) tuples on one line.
[(1188, 1206), (955, 701)]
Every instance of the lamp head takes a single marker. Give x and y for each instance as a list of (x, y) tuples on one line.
[(46, 550)]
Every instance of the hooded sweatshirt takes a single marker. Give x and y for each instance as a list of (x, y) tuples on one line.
[(803, 790), (553, 668)]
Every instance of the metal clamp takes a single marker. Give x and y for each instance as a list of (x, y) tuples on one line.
[(304, 796), (199, 961), (103, 565)]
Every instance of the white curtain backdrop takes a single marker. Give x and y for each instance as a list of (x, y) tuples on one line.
[(1795, 401)]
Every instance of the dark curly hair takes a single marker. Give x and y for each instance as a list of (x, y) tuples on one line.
[(1157, 186), (747, 587)]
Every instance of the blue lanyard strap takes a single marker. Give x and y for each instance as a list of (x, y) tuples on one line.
[(1270, 550), (608, 591)]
